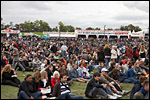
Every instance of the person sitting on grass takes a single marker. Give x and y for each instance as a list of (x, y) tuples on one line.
[(130, 73), (113, 66), (101, 66), (28, 90), (55, 78), (83, 72), (74, 75), (9, 76), (137, 86), (62, 88), (143, 91), (123, 78), (95, 87), (138, 70), (49, 71), (111, 82)]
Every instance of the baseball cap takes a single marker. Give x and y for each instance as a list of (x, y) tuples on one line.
[(104, 70)]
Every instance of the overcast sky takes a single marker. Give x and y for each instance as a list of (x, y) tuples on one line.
[(82, 14)]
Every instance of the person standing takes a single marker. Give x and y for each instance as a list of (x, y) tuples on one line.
[(63, 50)]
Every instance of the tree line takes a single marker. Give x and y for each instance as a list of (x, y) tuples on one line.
[(40, 26)]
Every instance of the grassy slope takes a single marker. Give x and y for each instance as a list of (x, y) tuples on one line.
[(10, 92)]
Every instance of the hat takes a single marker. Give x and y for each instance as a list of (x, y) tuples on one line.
[(104, 70), (113, 46)]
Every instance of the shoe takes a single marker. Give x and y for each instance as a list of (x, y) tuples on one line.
[(125, 92), (120, 93), (119, 96), (112, 97), (101, 97)]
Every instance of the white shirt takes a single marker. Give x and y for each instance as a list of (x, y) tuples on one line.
[(64, 48)]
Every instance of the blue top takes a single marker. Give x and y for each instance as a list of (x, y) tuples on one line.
[(130, 73)]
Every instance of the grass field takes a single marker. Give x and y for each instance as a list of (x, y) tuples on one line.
[(38, 33), (10, 92)]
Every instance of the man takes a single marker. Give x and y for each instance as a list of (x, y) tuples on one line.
[(16, 59), (111, 82), (62, 88), (95, 87), (36, 63), (63, 50), (54, 48), (143, 92)]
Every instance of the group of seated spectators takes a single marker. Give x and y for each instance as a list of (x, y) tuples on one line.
[(57, 63)]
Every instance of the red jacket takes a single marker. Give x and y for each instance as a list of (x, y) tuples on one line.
[(129, 53), (53, 81)]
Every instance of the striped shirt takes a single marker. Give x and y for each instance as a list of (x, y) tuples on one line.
[(64, 88)]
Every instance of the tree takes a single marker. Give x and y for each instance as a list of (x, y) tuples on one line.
[(61, 26), (89, 28), (70, 28), (78, 28), (55, 29), (110, 29), (97, 28)]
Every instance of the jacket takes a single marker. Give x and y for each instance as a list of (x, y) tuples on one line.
[(106, 79), (49, 74), (7, 76), (91, 84), (57, 90), (53, 81), (140, 94), (107, 52), (73, 73), (113, 54), (28, 88), (131, 73)]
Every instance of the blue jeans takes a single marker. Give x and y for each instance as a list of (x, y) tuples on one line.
[(75, 96), (118, 59), (107, 60), (64, 55), (85, 77), (130, 80), (90, 67), (108, 90), (23, 95), (95, 91)]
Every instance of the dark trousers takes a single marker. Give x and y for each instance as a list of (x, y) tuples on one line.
[(15, 82), (23, 95)]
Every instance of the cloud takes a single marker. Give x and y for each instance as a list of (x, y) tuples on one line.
[(128, 17), (140, 5), (37, 5)]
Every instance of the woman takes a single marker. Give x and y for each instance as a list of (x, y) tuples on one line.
[(9, 76), (43, 83), (101, 55), (129, 52), (69, 65), (114, 53), (28, 89), (142, 53), (83, 72), (36, 79), (55, 78)]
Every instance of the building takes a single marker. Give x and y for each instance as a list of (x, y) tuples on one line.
[(10, 33)]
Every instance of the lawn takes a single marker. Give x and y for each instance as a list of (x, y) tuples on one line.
[(38, 33), (10, 92)]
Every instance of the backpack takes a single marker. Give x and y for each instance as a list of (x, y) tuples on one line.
[(136, 53)]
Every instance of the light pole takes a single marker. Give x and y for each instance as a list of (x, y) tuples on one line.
[(104, 31)]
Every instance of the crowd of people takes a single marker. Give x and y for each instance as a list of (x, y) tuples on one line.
[(58, 62)]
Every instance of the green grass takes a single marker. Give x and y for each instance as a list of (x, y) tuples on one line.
[(38, 33), (10, 92)]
